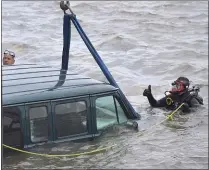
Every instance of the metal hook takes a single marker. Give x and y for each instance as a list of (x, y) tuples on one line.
[(65, 6)]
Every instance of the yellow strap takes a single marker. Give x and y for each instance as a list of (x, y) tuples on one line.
[(141, 133), (65, 155), (170, 116)]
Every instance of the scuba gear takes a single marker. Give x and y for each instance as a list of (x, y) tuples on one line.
[(174, 99), (179, 94), (184, 80), (180, 85), (194, 94), (177, 87), (169, 101)]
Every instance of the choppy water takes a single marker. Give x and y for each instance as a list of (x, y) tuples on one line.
[(142, 43)]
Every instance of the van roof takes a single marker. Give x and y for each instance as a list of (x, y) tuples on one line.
[(24, 83)]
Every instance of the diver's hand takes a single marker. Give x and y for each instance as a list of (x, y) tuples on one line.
[(147, 92), (185, 108)]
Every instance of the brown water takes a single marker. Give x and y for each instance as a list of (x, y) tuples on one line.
[(142, 43)]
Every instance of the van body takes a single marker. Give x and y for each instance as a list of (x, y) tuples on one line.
[(42, 104)]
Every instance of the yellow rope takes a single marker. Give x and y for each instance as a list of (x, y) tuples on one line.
[(168, 117), (65, 155)]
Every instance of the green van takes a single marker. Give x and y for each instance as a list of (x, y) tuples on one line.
[(36, 110)]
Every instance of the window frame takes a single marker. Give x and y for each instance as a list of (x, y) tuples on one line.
[(85, 99), (28, 106), (122, 104), (22, 114), (93, 99)]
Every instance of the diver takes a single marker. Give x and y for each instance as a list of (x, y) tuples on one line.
[(8, 58), (180, 93)]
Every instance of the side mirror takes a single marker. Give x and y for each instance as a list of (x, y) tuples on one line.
[(133, 124)]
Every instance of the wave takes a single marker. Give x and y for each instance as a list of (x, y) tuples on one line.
[(117, 43), (17, 46), (189, 70), (162, 26), (83, 6), (200, 71), (180, 55), (121, 20), (199, 16)]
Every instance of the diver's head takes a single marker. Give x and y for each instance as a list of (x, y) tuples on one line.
[(180, 86), (8, 58)]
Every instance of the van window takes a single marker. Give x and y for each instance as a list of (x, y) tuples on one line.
[(70, 118), (105, 112), (12, 134), (38, 124)]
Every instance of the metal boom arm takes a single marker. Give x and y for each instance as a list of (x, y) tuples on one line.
[(92, 50)]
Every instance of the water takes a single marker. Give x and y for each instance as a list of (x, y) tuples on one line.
[(142, 43)]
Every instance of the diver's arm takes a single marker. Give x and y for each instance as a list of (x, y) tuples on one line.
[(151, 99), (185, 108), (157, 103)]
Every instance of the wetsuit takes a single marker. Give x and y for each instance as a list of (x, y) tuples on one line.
[(172, 101)]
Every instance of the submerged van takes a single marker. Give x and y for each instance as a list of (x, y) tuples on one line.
[(37, 109), (42, 104)]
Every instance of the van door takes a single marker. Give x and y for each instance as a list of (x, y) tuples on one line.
[(12, 134)]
